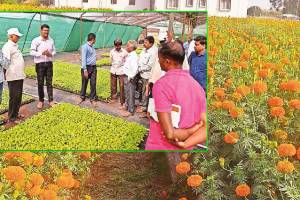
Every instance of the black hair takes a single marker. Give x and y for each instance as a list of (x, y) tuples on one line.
[(118, 42), (91, 36), (201, 39), (150, 39), (173, 51), (45, 26)]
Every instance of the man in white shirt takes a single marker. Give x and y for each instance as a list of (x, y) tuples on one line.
[(147, 60), (117, 56), (130, 70), (15, 74), (43, 50)]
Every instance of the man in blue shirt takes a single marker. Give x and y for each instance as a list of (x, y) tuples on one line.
[(89, 69), (197, 61)]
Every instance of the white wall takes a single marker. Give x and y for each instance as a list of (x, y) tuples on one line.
[(182, 5), (238, 9), (68, 3)]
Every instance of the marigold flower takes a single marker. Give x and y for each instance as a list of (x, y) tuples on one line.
[(184, 156), (183, 198), (194, 180), (85, 155), (231, 138), (263, 73), (36, 179), (243, 65), (14, 173), (65, 182), (53, 187), (27, 157), (245, 55), (243, 90), (275, 102), (19, 185), (210, 71), (38, 161), (286, 150), (285, 167), (285, 60), (242, 190), (10, 155), (220, 92), (235, 66), (291, 86), (237, 96), (76, 183), (217, 104), (277, 112), (280, 134), (236, 112), (259, 87), (295, 103), (298, 153), (228, 83), (34, 191), (227, 105), (183, 168), (48, 195)]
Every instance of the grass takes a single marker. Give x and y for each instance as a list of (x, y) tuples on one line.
[(103, 62), (5, 100), (67, 77), (69, 127)]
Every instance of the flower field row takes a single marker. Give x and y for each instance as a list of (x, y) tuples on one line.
[(73, 128), (72, 82), (254, 112), (42, 176)]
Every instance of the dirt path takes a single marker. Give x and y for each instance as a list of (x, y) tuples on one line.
[(130, 176)]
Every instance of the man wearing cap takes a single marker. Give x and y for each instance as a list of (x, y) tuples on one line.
[(43, 50), (118, 56), (15, 74)]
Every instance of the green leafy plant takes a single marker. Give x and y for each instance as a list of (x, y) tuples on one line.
[(69, 127), (103, 62)]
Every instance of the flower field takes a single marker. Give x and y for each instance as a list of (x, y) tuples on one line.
[(42, 176), (73, 128), (254, 113), (72, 82)]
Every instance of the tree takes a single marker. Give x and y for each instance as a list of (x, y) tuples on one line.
[(254, 11), (276, 4)]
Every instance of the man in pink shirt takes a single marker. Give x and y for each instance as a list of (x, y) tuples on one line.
[(176, 87)]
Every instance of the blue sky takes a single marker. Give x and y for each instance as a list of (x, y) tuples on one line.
[(264, 4)]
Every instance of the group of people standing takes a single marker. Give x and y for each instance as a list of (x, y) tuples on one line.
[(12, 67)]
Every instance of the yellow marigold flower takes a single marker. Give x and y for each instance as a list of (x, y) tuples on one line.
[(280, 134), (285, 167)]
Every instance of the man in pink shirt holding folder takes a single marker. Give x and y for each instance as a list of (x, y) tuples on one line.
[(176, 87)]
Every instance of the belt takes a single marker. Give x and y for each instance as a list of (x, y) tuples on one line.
[(91, 65), (49, 62)]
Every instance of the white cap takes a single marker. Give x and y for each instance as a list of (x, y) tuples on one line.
[(14, 31)]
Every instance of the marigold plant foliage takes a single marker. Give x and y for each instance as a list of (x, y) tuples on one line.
[(22, 180), (254, 112)]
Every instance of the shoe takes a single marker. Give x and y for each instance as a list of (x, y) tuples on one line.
[(94, 103), (123, 107), (51, 104), (40, 105), (126, 114), (14, 121), (79, 100)]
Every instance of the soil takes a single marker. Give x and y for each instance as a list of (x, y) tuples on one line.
[(130, 176)]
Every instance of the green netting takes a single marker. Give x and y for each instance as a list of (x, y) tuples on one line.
[(67, 33)]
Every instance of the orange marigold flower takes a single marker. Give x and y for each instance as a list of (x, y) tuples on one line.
[(38, 161), (27, 157), (48, 195), (263, 73), (36, 179), (295, 103), (280, 134), (184, 156), (259, 87), (286, 150), (85, 155), (53, 187), (183, 168), (194, 180), (228, 83), (65, 182), (243, 65), (217, 104), (183, 198), (237, 96), (291, 85), (243, 90), (235, 66), (227, 105), (231, 138), (285, 167), (298, 153), (285, 60), (275, 102), (28, 185), (236, 112), (210, 71), (268, 66), (76, 184), (245, 55), (220, 92), (10, 155), (34, 191), (242, 190), (277, 112), (14, 173)]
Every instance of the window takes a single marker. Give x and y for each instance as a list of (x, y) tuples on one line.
[(189, 3), (132, 2), (85, 1), (171, 4), (202, 3), (225, 5), (114, 2)]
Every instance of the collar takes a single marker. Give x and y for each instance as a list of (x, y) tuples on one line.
[(42, 39), (178, 71), (91, 45), (11, 42)]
